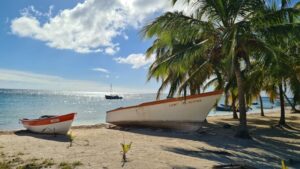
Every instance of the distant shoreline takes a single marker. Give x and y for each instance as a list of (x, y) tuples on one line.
[(106, 125)]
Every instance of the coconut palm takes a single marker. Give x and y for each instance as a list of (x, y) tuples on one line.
[(281, 68), (255, 83), (216, 32)]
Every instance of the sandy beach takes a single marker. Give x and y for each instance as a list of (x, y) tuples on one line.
[(99, 147)]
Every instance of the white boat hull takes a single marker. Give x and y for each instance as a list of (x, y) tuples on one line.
[(50, 125), (179, 113), (55, 128)]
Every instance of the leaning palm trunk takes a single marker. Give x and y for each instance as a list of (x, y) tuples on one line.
[(243, 130), (235, 116), (226, 98), (261, 106), (293, 105), (282, 111)]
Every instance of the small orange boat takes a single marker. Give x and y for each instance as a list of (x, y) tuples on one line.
[(50, 124)]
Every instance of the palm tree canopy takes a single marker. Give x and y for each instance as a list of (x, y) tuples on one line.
[(215, 33)]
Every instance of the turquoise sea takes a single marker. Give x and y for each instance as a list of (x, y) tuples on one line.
[(91, 107)]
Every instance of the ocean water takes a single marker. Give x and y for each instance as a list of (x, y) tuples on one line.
[(91, 107)]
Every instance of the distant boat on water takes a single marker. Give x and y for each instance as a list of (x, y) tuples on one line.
[(266, 106), (186, 113), (111, 96), (223, 107), (49, 124)]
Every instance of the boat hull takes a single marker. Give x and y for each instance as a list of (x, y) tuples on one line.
[(177, 113), (53, 125)]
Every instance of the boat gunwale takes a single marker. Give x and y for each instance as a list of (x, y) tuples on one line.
[(47, 119), (169, 100)]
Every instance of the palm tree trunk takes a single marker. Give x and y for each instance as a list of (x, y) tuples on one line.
[(282, 111), (261, 106), (291, 104), (243, 129), (226, 98), (235, 116)]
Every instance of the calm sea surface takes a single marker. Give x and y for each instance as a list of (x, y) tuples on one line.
[(90, 106)]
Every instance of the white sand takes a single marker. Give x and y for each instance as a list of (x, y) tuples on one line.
[(98, 147)]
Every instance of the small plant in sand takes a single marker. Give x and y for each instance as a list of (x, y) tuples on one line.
[(283, 166), (125, 149), (71, 138)]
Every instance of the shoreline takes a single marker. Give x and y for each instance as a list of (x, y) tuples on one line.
[(99, 125)]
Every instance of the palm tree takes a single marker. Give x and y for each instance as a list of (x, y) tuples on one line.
[(219, 31), (282, 67), (256, 82)]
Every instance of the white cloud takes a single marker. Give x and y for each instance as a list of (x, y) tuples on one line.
[(125, 37), (137, 60), (111, 50), (90, 26), (99, 69)]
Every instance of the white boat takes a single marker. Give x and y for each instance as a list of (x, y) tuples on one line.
[(50, 124), (184, 113)]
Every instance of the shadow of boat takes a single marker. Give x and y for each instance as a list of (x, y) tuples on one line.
[(50, 137)]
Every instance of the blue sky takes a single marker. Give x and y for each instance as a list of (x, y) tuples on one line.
[(76, 45)]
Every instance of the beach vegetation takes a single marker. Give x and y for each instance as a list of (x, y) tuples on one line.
[(232, 41), (76, 164), (71, 138), (125, 150), (31, 166), (20, 153), (16, 160), (66, 165), (34, 164), (47, 163), (5, 165), (33, 159)]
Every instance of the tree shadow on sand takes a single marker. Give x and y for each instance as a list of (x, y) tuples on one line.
[(50, 137), (266, 149)]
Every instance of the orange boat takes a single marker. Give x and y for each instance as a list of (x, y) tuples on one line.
[(50, 124)]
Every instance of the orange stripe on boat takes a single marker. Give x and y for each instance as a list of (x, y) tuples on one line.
[(170, 100), (47, 121)]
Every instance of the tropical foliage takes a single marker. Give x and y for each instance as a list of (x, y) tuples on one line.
[(237, 45)]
